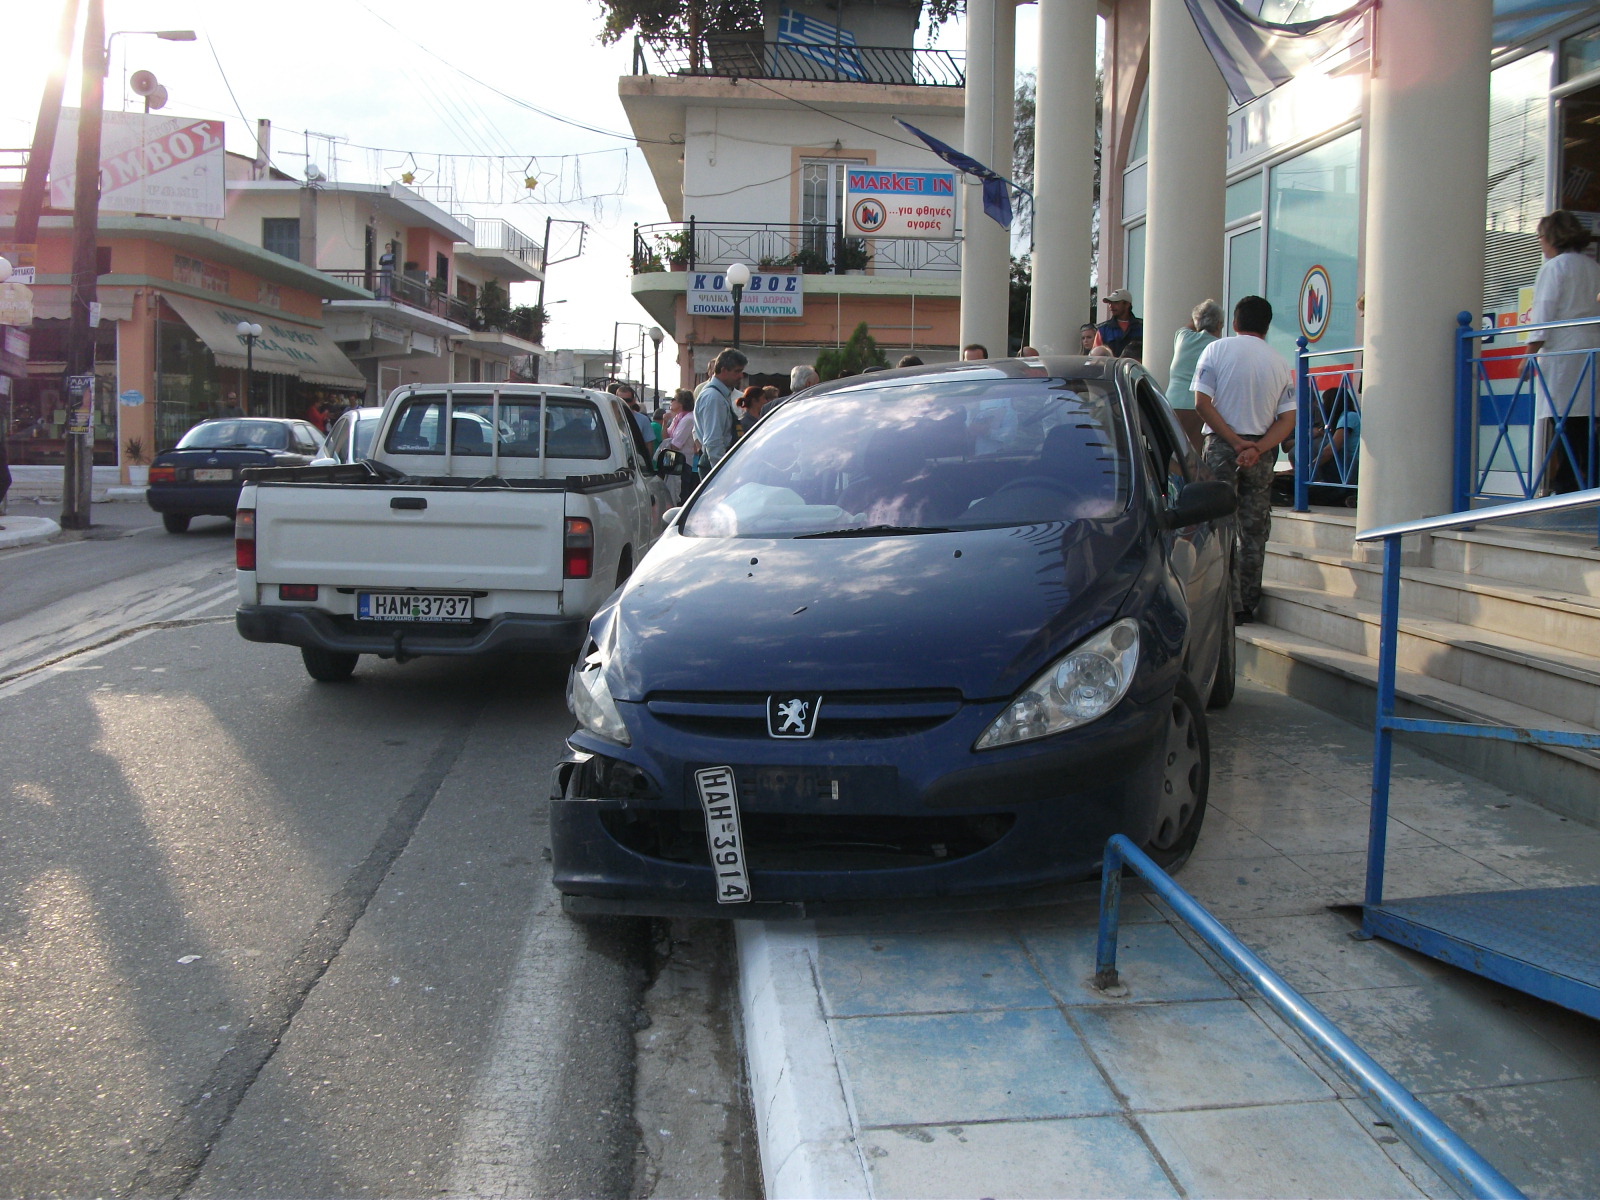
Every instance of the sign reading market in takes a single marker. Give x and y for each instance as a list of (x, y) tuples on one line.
[(889, 202), (162, 166)]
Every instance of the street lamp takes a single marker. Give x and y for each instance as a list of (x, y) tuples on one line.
[(656, 336), (249, 331), (738, 279)]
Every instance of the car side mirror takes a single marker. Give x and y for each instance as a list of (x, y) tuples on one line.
[(671, 515), (669, 461), (1202, 500)]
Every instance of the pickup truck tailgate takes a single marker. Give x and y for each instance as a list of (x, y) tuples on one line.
[(411, 537)]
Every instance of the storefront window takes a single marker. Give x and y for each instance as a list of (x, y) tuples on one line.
[(187, 386), (1244, 266), (36, 416), (1313, 220), (1133, 277), (1242, 200), (1519, 124), (1580, 54)]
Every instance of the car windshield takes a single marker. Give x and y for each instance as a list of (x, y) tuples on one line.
[(923, 454), (232, 435)]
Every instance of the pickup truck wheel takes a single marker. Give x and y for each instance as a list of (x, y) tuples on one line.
[(328, 666), (625, 565), (175, 522)]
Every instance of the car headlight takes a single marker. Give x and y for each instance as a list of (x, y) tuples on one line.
[(590, 700), (1081, 686)]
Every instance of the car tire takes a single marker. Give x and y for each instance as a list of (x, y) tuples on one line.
[(1222, 687), (328, 666), (175, 522), (624, 565), (1186, 779)]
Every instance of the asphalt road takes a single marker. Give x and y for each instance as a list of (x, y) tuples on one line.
[(261, 936)]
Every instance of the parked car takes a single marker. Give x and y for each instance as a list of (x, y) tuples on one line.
[(922, 633), (202, 474), (483, 519), (350, 438)]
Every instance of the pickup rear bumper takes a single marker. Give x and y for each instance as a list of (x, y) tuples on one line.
[(515, 633)]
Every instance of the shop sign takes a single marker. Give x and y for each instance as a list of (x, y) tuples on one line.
[(18, 342), (21, 257), (16, 304), (769, 294), (1299, 110), (269, 295), (1316, 303), (891, 202), (132, 398), (161, 166), (198, 273)]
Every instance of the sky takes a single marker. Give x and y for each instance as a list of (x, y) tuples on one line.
[(426, 87)]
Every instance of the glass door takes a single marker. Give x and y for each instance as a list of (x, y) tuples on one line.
[(1243, 269), (822, 202)]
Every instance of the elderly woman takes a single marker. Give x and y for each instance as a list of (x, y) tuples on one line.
[(1565, 290), (1204, 327)]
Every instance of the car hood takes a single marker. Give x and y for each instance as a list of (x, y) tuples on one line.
[(980, 611)]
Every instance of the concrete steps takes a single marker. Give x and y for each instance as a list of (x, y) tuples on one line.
[(1502, 627)]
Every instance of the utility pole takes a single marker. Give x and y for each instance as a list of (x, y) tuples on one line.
[(44, 130), (79, 466)]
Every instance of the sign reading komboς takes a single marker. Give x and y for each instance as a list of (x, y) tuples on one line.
[(889, 202), (769, 294), (165, 166)]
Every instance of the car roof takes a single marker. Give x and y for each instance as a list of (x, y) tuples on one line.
[(1059, 366)]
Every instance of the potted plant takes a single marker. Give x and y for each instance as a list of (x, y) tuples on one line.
[(648, 264), (138, 459), (676, 247), (811, 261), (852, 256)]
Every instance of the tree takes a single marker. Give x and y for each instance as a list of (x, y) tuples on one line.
[(1021, 303), (688, 19), (859, 351)]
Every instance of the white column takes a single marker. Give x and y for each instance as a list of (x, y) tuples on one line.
[(1428, 156), (986, 136), (1188, 117), (1063, 175)]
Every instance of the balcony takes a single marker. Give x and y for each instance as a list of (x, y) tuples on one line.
[(411, 291), (750, 56), (811, 249), (501, 251)]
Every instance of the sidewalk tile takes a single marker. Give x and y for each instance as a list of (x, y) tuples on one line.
[(1297, 827), (1408, 871), (1224, 836), (1154, 962), (1086, 1157), (1540, 1135), (1302, 1150), (964, 1067), (1448, 1035), (1136, 910), (955, 971), (1232, 888), (1422, 1174), (1315, 953), (1166, 1056)]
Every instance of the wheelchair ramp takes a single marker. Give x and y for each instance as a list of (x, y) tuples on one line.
[(1543, 941)]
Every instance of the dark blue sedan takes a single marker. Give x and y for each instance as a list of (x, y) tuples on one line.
[(934, 632), (201, 475)]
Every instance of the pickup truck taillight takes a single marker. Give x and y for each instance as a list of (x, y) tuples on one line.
[(578, 556), (296, 591), (163, 475), (244, 539)]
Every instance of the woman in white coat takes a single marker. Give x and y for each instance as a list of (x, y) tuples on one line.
[(1567, 289)]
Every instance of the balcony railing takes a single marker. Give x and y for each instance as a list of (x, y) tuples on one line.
[(413, 291), (495, 234), (810, 248), (750, 56)]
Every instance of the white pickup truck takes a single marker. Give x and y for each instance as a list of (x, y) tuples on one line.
[(487, 517)]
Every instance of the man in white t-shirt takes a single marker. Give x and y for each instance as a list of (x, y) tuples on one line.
[(1244, 392)]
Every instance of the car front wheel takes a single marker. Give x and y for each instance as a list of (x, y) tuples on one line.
[(1223, 685), (328, 666), (1185, 780), (175, 522)]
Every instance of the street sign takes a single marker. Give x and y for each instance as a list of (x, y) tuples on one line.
[(132, 398), (16, 304), (769, 294), (891, 202), (20, 255)]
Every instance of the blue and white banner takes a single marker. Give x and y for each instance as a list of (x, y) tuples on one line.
[(768, 294), (820, 42), (1255, 56)]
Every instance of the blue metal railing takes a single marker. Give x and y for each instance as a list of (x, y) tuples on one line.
[(1463, 1166), (1503, 445), (1388, 646), (1327, 426)]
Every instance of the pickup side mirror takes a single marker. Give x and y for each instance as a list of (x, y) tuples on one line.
[(1202, 500), (669, 461)]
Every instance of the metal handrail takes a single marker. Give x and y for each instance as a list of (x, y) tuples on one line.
[(751, 56), (1309, 442), (812, 249), (1480, 516), (1431, 1137)]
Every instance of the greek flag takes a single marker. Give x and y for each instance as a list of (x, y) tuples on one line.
[(1256, 55), (829, 46)]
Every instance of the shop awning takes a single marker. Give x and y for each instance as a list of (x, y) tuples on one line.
[(284, 347)]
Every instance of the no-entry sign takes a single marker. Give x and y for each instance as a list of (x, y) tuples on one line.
[(891, 202)]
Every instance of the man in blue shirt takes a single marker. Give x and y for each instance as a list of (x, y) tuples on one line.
[(1123, 334), (713, 407)]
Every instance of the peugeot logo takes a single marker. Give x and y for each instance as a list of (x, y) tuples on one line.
[(792, 716)]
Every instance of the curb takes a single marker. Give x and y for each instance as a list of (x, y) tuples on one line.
[(26, 531), (803, 1127)]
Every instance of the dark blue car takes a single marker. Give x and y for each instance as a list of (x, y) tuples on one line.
[(201, 475), (933, 632)]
